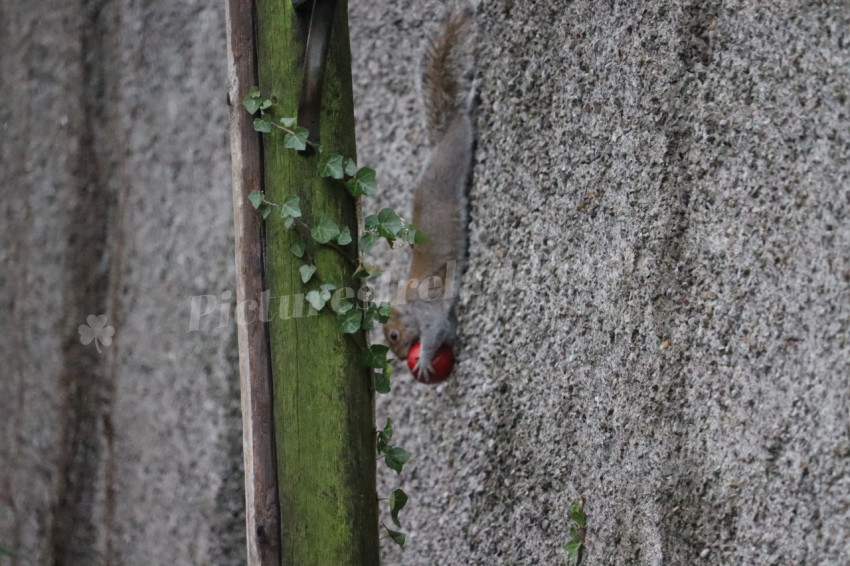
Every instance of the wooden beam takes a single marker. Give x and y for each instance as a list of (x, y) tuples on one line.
[(323, 398)]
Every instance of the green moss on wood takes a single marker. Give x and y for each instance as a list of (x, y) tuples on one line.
[(324, 403)]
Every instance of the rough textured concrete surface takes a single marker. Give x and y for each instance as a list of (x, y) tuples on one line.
[(659, 254), (659, 227), (116, 200)]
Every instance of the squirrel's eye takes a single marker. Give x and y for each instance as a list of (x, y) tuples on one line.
[(393, 335)]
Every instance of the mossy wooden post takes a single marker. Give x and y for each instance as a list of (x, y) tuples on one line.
[(323, 398)]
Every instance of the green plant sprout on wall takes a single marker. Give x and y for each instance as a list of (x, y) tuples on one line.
[(578, 531)]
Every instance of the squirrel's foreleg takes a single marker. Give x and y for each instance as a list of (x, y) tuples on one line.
[(433, 334)]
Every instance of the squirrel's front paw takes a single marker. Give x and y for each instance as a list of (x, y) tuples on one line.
[(432, 367), (423, 371)]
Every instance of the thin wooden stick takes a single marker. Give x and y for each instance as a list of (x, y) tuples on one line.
[(262, 512)]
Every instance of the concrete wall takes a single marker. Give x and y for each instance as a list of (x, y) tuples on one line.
[(659, 220), (658, 229), (116, 201)]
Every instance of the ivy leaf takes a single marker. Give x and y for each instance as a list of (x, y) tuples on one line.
[(407, 234), (291, 207), (262, 125), (256, 198), (371, 269), (254, 92), (349, 321), (382, 383), (350, 167), (265, 210), (306, 272), (380, 312), (398, 499), (369, 317), (578, 515), (325, 229), (318, 299), (397, 537), (385, 435), (375, 356), (344, 307), (384, 311), (572, 549), (251, 103), (412, 236), (288, 222), (331, 166), (389, 221), (366, 180), (297, 248), (367, 241), (327, 286), (396, 457), (363, 182), (287, 122), (296, 140), (344, 237), (389, 224), (370, 223)]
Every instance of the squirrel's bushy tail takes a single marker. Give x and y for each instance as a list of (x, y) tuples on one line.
[(448, 63)]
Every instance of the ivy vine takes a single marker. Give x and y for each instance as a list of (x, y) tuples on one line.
[(322, 231)]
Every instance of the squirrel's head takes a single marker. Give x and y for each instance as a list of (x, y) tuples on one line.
[(401, 333)]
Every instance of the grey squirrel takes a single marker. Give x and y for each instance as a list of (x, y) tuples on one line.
[(439, 204)]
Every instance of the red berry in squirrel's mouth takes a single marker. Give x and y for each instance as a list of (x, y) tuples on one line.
[(443, 362)]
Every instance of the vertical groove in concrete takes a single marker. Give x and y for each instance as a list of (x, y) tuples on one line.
[(84, 503), (94, 446)]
